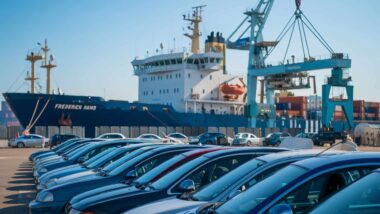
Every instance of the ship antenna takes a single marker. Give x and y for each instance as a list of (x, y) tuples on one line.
[(195, 19), (48, 64)]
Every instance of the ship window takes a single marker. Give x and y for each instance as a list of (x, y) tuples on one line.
[(206, 60), (167, 76), (173, 61), (167, 91), (201, 76), (212, 92), (179, 61), (212, 60), (217, 60), (167, 62), (188, 75), (152, 92), (191, 90), (196, 61), (179, 75), (161, 62), (202, 61), (190, 61), (203, 91), (210, 77), (156, 64)]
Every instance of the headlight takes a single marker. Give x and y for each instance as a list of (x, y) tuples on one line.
[(45, 197), (43, 170), (51, 183)]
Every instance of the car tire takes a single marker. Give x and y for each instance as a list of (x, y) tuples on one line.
[(20, 145), (277, 144), (249, 143), (209, 142)]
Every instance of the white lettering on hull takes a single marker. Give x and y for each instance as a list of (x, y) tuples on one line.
[(75, 107)]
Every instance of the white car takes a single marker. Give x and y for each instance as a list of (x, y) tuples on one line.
[(177, 138), (31, 140), (152, 137), (111, 136), (246, 139)]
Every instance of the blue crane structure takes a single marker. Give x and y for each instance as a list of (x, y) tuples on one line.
[(289, 74)]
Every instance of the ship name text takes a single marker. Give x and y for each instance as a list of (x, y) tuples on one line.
[(75, 107)]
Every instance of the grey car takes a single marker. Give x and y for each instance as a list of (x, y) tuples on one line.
[(31, 140)]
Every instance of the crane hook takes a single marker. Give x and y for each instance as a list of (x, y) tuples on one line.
[(298, 4)]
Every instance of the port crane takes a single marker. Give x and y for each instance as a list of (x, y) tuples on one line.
[(288, 74)]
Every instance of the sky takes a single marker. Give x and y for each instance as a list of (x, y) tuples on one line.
[(94, 41)]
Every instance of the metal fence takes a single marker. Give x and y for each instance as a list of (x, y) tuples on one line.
[(135, 131)]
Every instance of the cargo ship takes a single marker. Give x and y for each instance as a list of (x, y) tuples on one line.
[(189, 88)]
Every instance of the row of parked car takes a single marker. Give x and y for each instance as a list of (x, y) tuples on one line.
[(148, 176)]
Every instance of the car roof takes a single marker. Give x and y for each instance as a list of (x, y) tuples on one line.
[(203, 151), (316, 162), (233, 150), (174, 147), (295, 154)]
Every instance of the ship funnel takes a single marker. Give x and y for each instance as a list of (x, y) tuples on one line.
[(217, 44)]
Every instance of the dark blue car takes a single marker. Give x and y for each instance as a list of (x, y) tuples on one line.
[(54, 150), (210, 138), (81, 156), (188, 177), (95, 163), (303, 185), (53, 199)]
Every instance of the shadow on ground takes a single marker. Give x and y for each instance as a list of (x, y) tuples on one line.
[(23, 190)]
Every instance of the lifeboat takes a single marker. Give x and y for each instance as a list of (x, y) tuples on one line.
[(232, 92)]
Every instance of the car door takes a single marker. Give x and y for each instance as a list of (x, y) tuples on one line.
[(212, 171), (309, 194), (35, 141)]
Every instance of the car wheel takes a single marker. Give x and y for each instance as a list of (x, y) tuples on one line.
[(209, 142), (278, 143), (20, 145), (249, 143)]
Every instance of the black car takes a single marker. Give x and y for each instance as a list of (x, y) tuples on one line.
[(57, 139), (210, 138), (274, 139), (63, 189), (189, 177)]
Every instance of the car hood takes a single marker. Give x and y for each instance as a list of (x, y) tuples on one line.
[(77, 177), (97, 191), (61, 172), (109, 196), (171, 205)]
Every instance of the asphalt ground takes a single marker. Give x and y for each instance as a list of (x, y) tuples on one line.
[(17, 188)]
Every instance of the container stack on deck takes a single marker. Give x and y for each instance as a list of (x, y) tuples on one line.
[(291, 106)]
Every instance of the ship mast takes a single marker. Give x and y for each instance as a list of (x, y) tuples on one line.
[(32, 58), (195, 18), (48, 65)]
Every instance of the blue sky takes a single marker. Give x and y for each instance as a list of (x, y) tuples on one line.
[(94, 41)]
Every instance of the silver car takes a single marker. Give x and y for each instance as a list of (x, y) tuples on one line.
[(31, 140), (245, 139)]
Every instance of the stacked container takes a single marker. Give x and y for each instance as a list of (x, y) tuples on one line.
[(292, 106)]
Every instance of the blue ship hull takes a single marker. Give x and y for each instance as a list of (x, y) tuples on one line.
[(91, 112)]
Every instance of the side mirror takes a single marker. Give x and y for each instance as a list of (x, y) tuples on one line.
[(131, 175), (281, 209), (233, 194), (187, 185), (81, 160)]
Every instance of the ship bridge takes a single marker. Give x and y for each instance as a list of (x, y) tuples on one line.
[(209, 61)]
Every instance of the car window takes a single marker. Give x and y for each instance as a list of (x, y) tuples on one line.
[(303, 198), (214, 170), (361, 197), (148, 165), (256, 179), (244, 136), (285, 135)]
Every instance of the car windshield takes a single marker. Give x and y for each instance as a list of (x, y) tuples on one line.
[(66, 145), (82, 151), (172, 176), (149, 176), (246, 201), (128, 164), (75, 149), (100, 157), (214, 189), (111, 167), (360, 197)]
